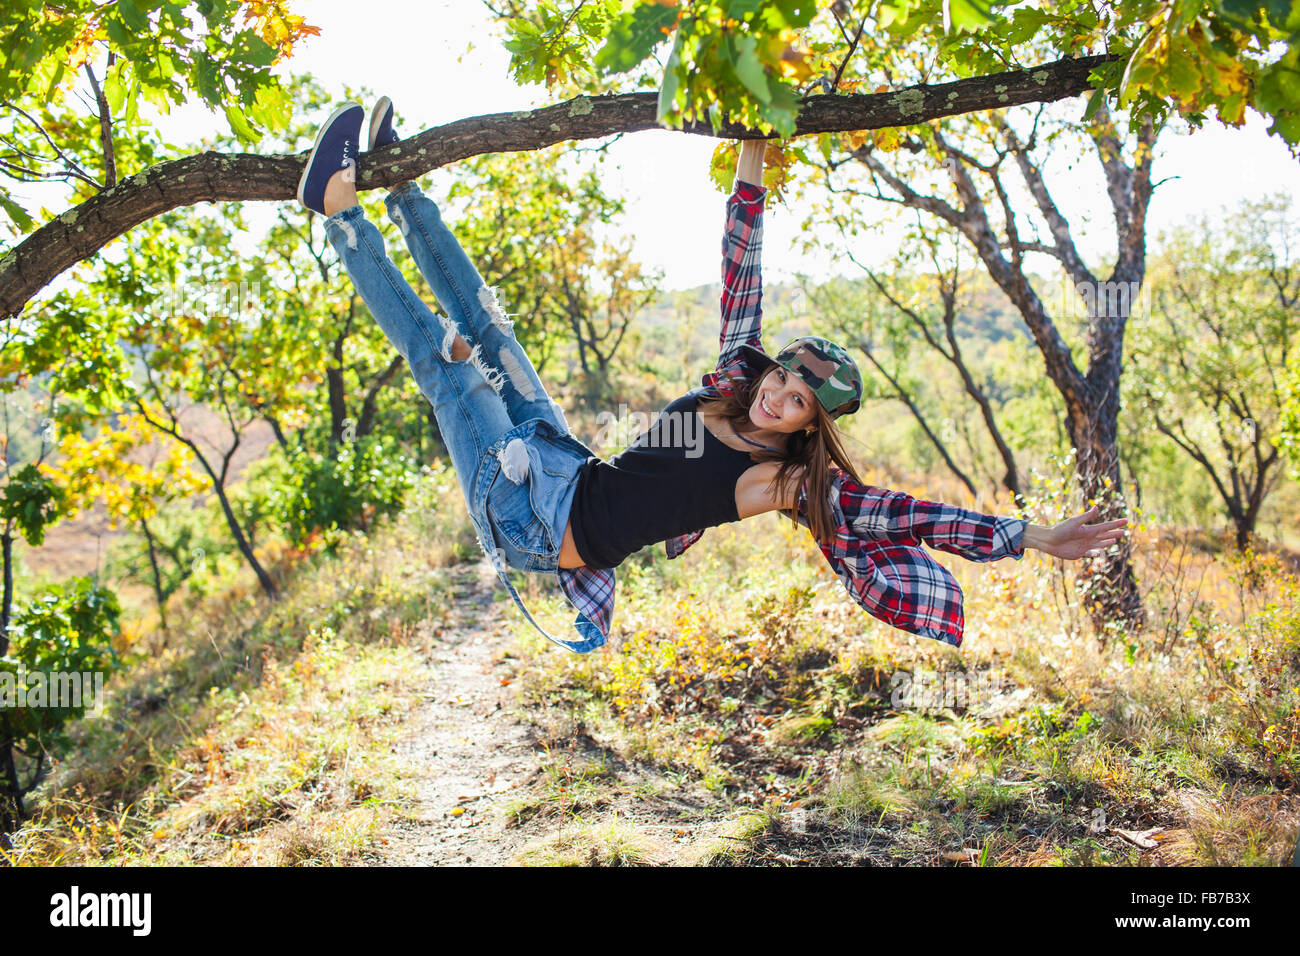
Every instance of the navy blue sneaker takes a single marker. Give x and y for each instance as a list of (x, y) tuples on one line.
[(337, 145), (381, 124)]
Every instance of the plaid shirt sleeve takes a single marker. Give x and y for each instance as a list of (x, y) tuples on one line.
[(876, 553), (742, 280)]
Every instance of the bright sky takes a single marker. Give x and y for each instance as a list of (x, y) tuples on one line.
[(440, 62)]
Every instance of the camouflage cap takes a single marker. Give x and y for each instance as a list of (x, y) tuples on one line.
[(823, 366)]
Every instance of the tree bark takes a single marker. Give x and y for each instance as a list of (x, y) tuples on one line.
[(11, 795), (371, 403), (82, 231)]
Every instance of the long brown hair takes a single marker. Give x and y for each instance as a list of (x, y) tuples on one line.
[(807, 454)]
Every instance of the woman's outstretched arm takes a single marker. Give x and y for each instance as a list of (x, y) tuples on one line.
[(742, 250), (898, 518)]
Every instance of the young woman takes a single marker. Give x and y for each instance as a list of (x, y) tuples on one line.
[(758, 434)]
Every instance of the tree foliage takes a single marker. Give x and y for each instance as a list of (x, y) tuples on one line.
[(130, 53), (754, 61), (544, 231), (1211, 356)]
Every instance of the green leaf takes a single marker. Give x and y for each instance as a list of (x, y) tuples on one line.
[(1094, 103), (256, 51), (796, 13), (132, 17), (894, 13), (114, 89), (1184, 75), (117, 32), (17, 214), (634, 35), (749, 70), (239, 125), (668, 89), (783, 110), (1024, 26), (272, 108), (1288, 127), (743, 9), (31, 52), (966, 16)]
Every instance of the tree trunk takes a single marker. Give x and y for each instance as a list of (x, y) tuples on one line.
[(159, 597), (11, 797), (1108, 582), (218, 486), (11, 800), (7, 601), (241, 542)]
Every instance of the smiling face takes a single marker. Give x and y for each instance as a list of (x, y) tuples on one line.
[(782, 402)]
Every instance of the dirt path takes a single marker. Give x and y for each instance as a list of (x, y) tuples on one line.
[(468, 752), (472, 755)]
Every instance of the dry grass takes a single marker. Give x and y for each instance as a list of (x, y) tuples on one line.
[(743, 665)]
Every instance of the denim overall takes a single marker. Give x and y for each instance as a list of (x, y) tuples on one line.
[(509, 443)]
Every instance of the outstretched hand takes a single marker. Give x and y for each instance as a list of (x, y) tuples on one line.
[(1074, 537)]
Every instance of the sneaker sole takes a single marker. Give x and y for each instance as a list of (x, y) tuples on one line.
[(311, 157), (376, 120)]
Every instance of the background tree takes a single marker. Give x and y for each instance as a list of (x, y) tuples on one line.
[(64, 629), (921, 307), (61, 627), (541, 229), (203, 326), (1210, 361), (972, 155), (123, 469)]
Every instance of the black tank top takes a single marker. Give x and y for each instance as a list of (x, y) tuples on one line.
[(675, 478)]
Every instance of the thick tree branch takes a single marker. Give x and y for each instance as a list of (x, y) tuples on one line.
[(215, 177)]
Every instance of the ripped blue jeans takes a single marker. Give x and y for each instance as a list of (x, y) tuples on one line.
[(509, 442)]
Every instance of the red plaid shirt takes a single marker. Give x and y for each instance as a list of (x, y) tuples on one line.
[(876, 548)]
